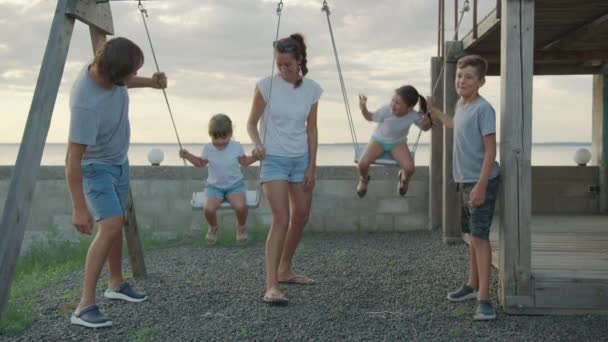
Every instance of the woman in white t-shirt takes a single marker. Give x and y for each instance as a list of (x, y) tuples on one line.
[(390, 136), (285, 107), (224, 157)]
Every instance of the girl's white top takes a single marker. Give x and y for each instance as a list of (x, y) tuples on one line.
[(391, 128)]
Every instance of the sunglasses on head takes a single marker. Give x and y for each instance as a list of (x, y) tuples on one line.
[(286, 45)]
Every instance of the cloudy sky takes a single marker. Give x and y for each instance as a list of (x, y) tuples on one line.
[(215, 50)]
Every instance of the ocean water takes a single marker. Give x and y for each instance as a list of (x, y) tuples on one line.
[(328, 154)]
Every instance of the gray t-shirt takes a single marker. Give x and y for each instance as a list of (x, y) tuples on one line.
[(224, 166), (100, 120), (471, 123)]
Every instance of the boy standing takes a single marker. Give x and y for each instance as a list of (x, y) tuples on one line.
[(477, 174), (97, 167)]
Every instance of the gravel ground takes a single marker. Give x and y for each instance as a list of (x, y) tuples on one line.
[(371, 287)]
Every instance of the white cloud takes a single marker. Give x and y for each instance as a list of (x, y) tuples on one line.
[(214, 52)]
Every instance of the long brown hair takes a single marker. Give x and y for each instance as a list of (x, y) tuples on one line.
[(117, 58)]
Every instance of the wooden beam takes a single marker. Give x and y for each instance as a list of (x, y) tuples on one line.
[(92, 14), (487, 26), (600, 135), (136, 254), (577, 34), (23, 183), (553, 69), (451, 201), (517, 46), (578, 294), (590, 57), (436, 157)]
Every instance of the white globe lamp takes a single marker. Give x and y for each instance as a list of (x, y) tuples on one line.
[(582, 156), (156, 156)]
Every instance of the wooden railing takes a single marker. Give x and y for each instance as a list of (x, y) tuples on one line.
[(441, 21)]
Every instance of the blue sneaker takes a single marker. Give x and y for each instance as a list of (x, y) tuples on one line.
[(485, 311), (125, 292), (91, 318), (465, 292)]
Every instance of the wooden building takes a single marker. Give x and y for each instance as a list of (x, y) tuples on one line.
[(547, 264)]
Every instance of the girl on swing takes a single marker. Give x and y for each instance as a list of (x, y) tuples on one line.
[(390, 136)]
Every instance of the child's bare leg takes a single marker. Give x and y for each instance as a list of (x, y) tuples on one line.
[(473, 274), (238, 201), (483, 254), (403, 157), (372, 152), (210, 212)]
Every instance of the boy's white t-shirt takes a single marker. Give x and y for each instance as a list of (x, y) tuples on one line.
[(285, 132), (224, 166), (393, 129)]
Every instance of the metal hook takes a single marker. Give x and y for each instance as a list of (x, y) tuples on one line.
[(325, 7), (280, 7), (142, 9)]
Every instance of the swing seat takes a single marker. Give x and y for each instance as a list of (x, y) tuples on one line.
[(200, 198), (385, 159)]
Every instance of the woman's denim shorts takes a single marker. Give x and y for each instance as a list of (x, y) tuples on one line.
[(291, 169)]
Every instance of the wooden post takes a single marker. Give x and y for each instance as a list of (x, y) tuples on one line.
[(136, 254), (517, 61), (21, 191), (600, 135), (451, 201), (436, 157)]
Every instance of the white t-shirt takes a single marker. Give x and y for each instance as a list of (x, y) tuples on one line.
[(224, 167), (392, 129), (285, 132)]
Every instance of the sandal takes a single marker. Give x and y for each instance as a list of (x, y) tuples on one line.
[(361, 192), (212, 236), (241, 236), (402, 186)]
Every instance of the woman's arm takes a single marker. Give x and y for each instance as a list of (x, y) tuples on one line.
[(246, 160), (257, 109), (313, 142)]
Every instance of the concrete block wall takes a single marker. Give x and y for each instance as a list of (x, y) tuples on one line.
[(162, 200)]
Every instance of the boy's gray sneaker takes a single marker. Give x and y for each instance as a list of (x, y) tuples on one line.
[(465, 292), (485, 311), (125, 292)]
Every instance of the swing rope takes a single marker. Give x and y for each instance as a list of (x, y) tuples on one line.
[(349, 115), (144, 15), (274, 57)]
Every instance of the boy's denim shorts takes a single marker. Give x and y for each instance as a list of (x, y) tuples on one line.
[(291, 169), (477, 221), (215, 192), (106, 187)]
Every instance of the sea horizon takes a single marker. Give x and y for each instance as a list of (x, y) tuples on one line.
[(329, 154)]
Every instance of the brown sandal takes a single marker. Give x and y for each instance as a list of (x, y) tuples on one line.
[(362, 192)]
